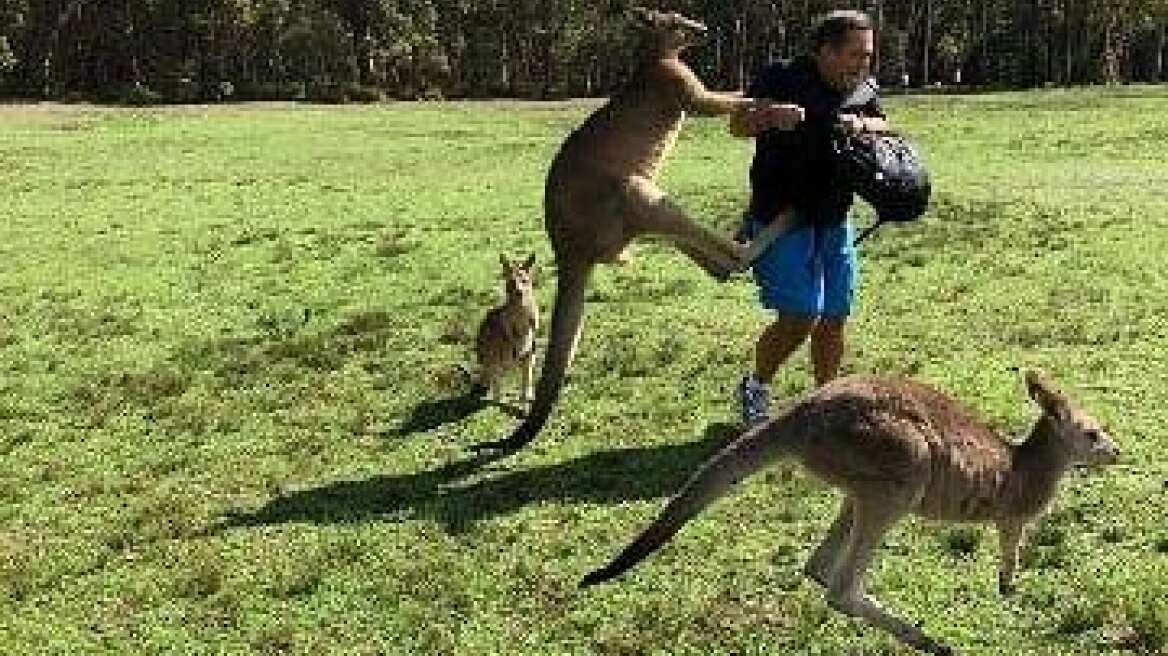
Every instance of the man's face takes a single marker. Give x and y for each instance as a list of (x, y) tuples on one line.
[(845, 66)]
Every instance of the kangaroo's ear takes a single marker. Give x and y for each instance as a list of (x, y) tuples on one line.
[(1044, 394), (504, 261), (529, 263)]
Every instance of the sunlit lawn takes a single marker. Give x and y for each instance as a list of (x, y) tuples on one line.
[(230, 421)]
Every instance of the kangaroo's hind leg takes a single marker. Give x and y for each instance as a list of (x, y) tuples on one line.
[(650, 212), (822, 564), (871, 517)]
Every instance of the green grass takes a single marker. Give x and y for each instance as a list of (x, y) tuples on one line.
[(229, 341)]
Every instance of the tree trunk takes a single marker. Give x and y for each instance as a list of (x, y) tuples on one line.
[(985, 38), (1161, 38), (1068, 35), (1110, 54), (927, 43), (740, 55)]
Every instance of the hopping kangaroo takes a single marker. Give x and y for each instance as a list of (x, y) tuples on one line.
[(895, 447), (601, 193), (506, 337)]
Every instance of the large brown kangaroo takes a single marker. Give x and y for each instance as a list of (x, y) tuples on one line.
[(601, 193), (895, 447)]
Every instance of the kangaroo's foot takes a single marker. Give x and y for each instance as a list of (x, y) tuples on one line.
[(718, 268), (748, 252), (861, 606), (825, 560)]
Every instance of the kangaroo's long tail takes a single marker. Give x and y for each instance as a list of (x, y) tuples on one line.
[(567, 318), (741, 458)]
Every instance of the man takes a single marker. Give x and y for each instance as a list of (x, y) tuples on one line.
[(808, 275)]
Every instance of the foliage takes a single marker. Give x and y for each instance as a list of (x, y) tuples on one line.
[(541, 49)]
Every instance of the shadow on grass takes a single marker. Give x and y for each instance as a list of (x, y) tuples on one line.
[(429, 415), (443, 495)]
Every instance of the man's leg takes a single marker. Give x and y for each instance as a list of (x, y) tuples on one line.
[(827, 348), (777, 342), (840, 275), (774, 346), (789, 285)]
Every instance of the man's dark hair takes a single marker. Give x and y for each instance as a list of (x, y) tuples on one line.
[(833, 29)]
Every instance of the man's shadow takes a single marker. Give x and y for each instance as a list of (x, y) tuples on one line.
[(605, 477)]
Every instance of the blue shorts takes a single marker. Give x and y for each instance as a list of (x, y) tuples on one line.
[(810, 271)]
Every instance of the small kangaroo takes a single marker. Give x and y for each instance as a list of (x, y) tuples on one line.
[(895, 447), (506, 337), (601, 192)]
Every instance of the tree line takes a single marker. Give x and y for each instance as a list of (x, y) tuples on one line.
[(337, 50)]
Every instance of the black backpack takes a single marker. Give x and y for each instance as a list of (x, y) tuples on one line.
[(887, 171), (883, 168)]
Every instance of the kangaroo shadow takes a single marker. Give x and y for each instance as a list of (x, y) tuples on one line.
[(429, 415), (443, 494)]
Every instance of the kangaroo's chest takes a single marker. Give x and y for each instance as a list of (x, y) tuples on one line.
[(630, 136), (967, 483), (523, 335), (660, 149), (507, 334)]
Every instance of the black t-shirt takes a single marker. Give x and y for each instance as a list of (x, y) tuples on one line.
[(794, 167)]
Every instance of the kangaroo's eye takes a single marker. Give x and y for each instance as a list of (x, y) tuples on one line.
[(1093, 435)]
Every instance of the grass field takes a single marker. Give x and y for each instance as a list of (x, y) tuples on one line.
[(229, 400)]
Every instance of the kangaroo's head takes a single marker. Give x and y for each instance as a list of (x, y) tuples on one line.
[(667, 30), (517, 276), (1083, 437)]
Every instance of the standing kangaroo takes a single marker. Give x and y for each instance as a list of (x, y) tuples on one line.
[(601, 193), (895, 447), (506, 337)]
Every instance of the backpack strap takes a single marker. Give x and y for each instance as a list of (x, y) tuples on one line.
[(868, 232)]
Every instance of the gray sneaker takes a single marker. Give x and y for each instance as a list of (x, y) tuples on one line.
[(755, 399)]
